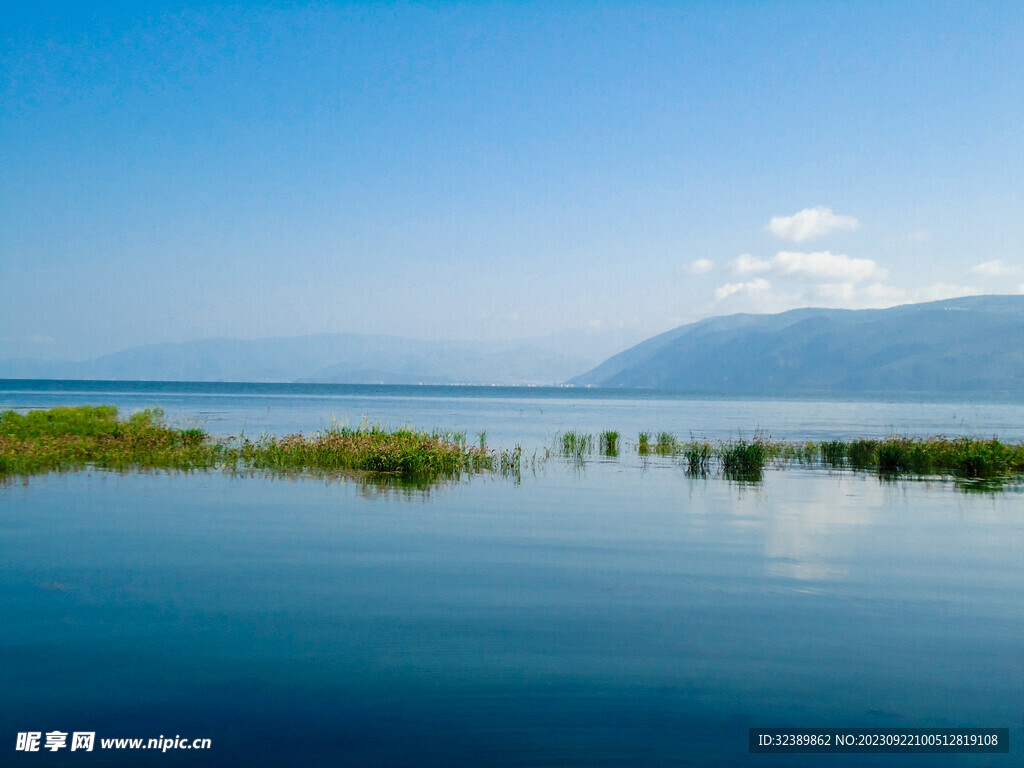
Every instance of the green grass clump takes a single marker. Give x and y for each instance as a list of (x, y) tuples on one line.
[(610, 443), (902, 456), (807, 454), (963, 457), (576, 445), (833, 453), (742, 460), (891, 458), (984, 458), (94, 436), (80, 421), (862, 454), (403, 452), (668, 444), (74, 438), (698, 457), (510, 463)]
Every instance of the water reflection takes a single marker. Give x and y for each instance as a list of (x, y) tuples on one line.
[(809, 535), (612, 617), (369, 484)]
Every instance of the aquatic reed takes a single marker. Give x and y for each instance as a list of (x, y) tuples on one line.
[(610, 443), (643, 444), (742, 460), (698, 457), (576, 445), (667, 444), (94, 436), (73, 438)]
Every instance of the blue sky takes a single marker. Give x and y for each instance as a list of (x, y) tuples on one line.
[(484, 170)]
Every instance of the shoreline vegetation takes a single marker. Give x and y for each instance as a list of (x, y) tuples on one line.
[(80, 437), (70, 438)]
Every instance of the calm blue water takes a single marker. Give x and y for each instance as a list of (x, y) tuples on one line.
[(511, 415), (616, 614)]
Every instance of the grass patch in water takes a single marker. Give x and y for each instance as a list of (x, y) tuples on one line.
[(698, 457), (964, 458), (403, 452), (861, 454), (610, 443), (74, 437), (667, 444), (78, 437), (576, 445), (833, 453), (742, 460)]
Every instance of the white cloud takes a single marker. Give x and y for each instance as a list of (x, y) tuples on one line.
[(757, 285), (940, 291), (994, 268), (746, 264), (810, 222), (700, 266), (919, 236), (827, 266), (826, 279), (760, 296), (838, 273)]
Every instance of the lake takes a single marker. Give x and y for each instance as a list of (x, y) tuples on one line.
[(618, 613)]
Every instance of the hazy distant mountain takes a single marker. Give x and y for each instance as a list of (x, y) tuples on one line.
[(345, 358), (966, 345)]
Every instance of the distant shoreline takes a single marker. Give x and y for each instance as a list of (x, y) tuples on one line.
[(490, 390)]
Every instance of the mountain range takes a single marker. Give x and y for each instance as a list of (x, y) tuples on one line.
[(956, 346), (341, 358), (966, 345)]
